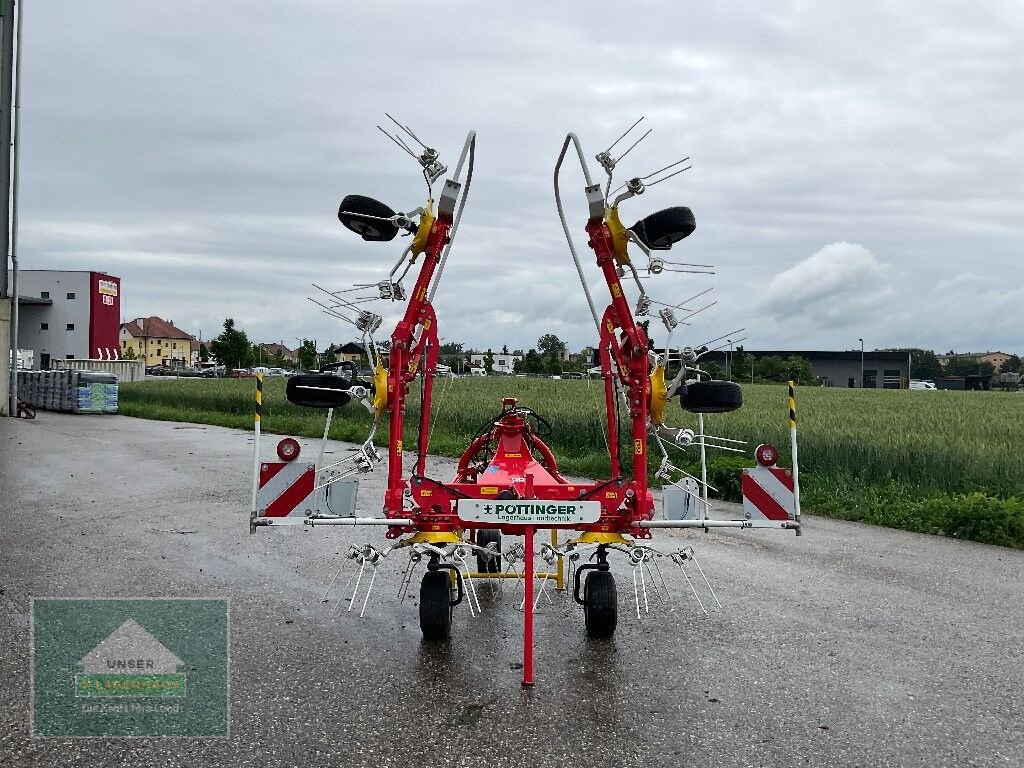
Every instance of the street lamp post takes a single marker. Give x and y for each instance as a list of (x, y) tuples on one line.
[(861, 363), (728, 363)]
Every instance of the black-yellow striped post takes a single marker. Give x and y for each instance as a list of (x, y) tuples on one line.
[(259, 397), (257, 416), (792, 447)]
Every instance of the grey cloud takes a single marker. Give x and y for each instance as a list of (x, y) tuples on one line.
[(200, 151)]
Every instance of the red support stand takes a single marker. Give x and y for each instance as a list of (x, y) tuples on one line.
[(528, 610)]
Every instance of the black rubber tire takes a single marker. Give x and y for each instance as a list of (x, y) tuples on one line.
[(337, 398), (661, 230), (436, 606), (600, 604), (711, 397), (352, 213), (485, 564)]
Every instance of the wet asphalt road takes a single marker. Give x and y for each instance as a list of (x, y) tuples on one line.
[(849, 646)]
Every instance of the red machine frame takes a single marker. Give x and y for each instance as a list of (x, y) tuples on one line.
[(425, 510)]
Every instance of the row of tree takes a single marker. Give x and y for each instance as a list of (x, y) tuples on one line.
[(233, 349), (548, 357), (746, 367), (924, 364)]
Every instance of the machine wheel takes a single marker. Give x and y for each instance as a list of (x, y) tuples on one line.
[(436, 605), (600, 604), (317, 390), (353, 214), (484, 563), (711, 397), (661, 230)]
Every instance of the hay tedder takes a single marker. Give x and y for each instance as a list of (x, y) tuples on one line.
[(508, 482)]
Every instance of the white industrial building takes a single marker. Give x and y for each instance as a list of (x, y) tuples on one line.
[(68, 315)]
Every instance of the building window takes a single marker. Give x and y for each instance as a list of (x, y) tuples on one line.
[(71, 295), (70, 357), (44, 295), (870, 379), (69, 327), (891, 379), (174, 345), (44, 326)]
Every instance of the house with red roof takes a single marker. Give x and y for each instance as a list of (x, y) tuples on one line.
[(157, 342)]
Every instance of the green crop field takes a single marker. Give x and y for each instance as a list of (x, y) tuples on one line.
[(940, 462)]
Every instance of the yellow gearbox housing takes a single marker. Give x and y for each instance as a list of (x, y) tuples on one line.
[(659, 394), (380, 389), (618, 233), (419, 240)]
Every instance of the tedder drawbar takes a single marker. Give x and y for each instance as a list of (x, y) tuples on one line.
[(508, 481)]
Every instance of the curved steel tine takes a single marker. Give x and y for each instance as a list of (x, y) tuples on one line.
[(355, 590), (634, 145), (706, 582), (692, 589), (536, 600), (472, 588), (369, 589), (624, 135), (654, 581), (401, 144), (698, 311), (643, 585), (323, 599), (344, 590), (666, 178), (543, 586), (667, 167), (403, 587), (664, 583), (408, 130)]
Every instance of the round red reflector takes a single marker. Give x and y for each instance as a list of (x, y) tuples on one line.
[(288, 449), (766, 454)]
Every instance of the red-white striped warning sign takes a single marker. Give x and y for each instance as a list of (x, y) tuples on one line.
[(768, 493), (287, 492)]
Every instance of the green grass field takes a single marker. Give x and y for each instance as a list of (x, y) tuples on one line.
[(939, 462)]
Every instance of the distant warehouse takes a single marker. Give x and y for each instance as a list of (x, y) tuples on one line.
[(882, 370)]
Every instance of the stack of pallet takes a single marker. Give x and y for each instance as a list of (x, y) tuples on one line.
[(69, 391)]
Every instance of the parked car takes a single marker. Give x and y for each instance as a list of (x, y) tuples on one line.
[(242, 373), (926, 386)]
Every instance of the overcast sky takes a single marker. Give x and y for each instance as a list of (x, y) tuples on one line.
[(857, 168)]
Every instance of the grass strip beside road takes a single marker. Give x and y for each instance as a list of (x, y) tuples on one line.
[(936, 462)]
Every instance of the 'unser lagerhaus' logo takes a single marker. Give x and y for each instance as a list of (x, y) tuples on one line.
[(130, 663), (131, 668)]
